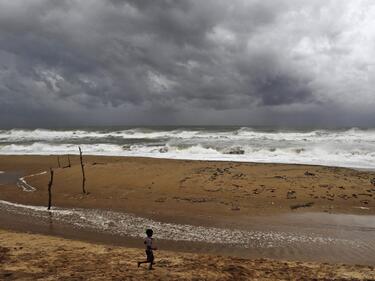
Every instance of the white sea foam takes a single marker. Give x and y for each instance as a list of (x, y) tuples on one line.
[(349, 148), (21, 183), (131, 225)]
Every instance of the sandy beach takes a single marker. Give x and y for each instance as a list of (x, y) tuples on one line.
[(186, 198), (154, 187), (38, 257)]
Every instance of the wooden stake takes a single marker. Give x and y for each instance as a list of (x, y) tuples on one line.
[(83, 171), (69, 161), (50, 189), (58, 161)]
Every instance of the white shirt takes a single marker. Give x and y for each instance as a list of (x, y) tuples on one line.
[(148, 243)]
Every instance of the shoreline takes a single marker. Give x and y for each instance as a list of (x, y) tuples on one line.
[(287, 237), (213, 160)]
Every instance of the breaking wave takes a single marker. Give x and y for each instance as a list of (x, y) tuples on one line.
[(350, 147)]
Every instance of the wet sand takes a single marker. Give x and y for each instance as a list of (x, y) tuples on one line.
[(9, 177), (306, 237), (37, 257)]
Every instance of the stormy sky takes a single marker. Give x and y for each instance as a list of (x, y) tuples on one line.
[(214, 62)]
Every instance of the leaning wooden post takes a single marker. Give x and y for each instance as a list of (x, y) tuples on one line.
[(58, 161), (50, 189), (83, 171), (69, 161)]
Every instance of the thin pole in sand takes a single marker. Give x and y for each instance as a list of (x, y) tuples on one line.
[(83, 171), (69, 165), (50, 188), (58, 161)]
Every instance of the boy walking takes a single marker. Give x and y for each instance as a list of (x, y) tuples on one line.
[(149, 249)]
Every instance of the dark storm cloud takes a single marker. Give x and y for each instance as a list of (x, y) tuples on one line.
[(163, 61)]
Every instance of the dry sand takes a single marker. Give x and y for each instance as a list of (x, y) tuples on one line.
[(38, 257)]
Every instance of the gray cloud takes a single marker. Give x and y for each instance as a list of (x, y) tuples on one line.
[(173, 62)]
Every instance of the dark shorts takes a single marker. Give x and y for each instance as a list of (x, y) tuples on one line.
[(150, 255)]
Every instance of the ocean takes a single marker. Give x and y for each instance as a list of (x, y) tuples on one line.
[(350, 147)]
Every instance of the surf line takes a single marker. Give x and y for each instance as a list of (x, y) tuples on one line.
[(21, 183), (127, 224)]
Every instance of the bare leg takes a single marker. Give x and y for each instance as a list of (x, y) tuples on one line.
[(151, 263), (140, 262)]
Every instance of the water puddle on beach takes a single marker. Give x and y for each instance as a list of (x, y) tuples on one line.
[(21, 182), (8, 177), (340, 238)]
